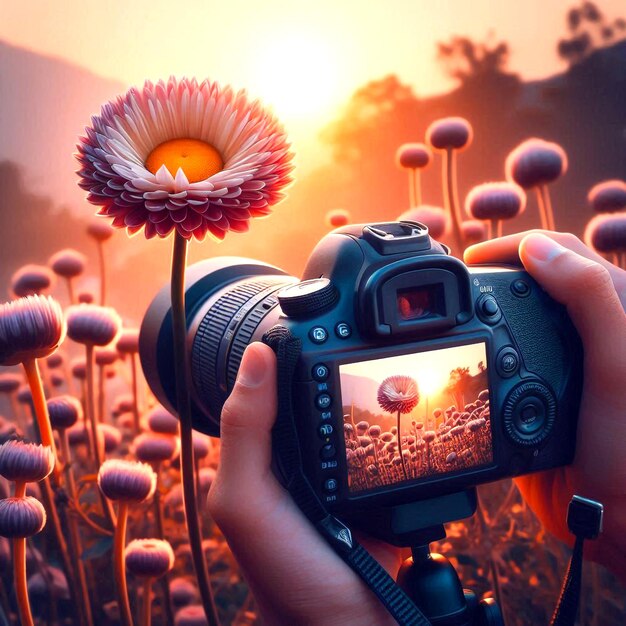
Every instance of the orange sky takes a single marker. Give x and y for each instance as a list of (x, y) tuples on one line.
[(304, 58)]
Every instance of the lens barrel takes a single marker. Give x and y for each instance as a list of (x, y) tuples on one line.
[(229, 303)]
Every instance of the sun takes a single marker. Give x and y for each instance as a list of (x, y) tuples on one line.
[(299, 76)]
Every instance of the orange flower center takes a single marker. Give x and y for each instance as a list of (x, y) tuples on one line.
[(196, 158)]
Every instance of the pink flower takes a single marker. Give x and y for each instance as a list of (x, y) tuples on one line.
[(235, 154), (398, 393)]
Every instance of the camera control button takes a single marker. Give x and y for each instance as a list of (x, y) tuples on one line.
[(488, 309), (529, 413), (343, 330), (507, 362), (331, 485), (318, 334), (320, 372), (325, 430), (323, 401), (328, 452), (520, 288)]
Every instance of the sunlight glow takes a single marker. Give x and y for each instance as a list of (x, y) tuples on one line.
[(298, 75)]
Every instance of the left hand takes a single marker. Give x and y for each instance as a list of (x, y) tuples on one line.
[(294, 575)]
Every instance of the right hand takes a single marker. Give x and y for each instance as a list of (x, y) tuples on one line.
[(594, 292)]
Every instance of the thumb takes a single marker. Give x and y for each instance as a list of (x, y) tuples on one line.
[(247, 419), (586, 288)]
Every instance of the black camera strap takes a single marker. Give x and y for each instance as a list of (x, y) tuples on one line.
[(285, 442)]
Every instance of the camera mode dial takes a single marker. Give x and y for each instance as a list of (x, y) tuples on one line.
[(308, 297), (529, 413)]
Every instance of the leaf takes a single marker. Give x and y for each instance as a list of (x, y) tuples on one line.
[(99, 548)]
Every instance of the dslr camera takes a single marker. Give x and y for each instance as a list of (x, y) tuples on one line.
[(418, 377)]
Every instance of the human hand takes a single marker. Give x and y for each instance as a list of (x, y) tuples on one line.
[(594, 292), (294, 575)]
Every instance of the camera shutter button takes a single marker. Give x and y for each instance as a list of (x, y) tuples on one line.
[(308, 297), (488, 309)]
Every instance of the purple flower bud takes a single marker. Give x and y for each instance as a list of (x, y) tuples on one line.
[(414, 156), (68, 263), (128, 341), (155, 448), (160, 420), (10, 382), (25, 462), (149, 558), (608, 196), (31, 280), (126, 480), (535, 162), (21, 517), (30, 328), (64, 411), (92, 325), (495, 201), (449, 132)]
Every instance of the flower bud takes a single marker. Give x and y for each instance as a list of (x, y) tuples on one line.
[(25, 462), (21, 517), (149, 558)]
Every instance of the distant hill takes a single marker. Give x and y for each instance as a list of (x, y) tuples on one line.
[(45, 104)]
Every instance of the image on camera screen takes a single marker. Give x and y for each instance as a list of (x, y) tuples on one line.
[(416, 415)]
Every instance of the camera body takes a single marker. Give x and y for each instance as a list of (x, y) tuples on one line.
[(418, 376)]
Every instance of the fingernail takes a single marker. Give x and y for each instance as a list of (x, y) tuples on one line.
[(542, 249), (253, 368)]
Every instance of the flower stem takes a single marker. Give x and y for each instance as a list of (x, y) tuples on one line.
[(19, 577), (101, 394), (543, 189), (411, 188), (97, 443), (158, 514), (542, 209), (449, 188), (147, 603), (41, 410), (70, 290), (76, 550), (417, 185), (133, 370), (119, 565), (399, 439), (183, 404), (103, 275)]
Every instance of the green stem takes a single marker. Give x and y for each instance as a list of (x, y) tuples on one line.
[(119, 564), (183, 403)]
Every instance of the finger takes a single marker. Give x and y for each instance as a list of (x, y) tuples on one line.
[(247, 419), (587, 290), (506, 249)]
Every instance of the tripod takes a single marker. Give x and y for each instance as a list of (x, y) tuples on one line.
[(429, 579)]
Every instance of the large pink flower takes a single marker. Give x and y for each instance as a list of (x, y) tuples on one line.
[(398, 393), (241, 167)]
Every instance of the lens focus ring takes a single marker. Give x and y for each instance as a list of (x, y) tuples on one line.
[(210, 335)]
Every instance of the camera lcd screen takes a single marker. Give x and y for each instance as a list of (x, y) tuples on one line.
[(419, 303), (415, 416)]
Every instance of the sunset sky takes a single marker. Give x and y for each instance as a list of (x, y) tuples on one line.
[(305, 58)]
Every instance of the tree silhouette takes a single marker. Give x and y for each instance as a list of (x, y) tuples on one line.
[(589, 29), (458, 385), (465, 59)]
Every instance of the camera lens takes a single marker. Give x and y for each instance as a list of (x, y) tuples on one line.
[(229, 302)]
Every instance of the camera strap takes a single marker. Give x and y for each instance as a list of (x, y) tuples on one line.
[(286, 447)]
